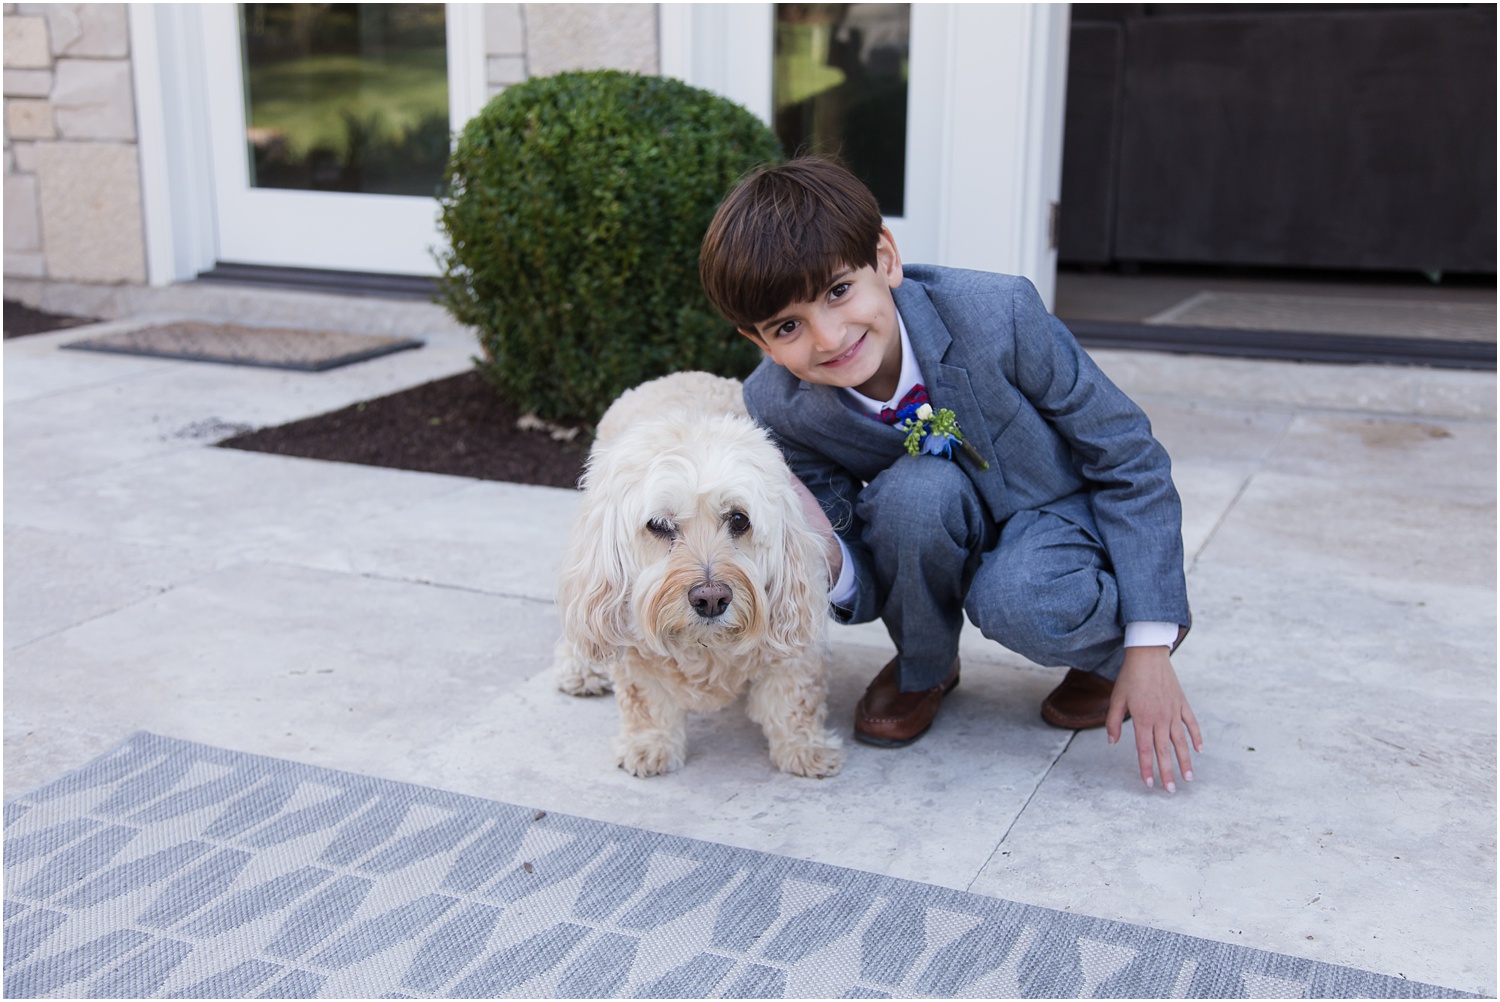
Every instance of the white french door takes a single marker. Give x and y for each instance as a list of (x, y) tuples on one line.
[(984, 115), (265, 218)]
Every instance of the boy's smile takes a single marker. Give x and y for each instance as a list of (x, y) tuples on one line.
[(849, 336)]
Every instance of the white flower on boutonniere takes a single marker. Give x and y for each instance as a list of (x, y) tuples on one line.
[(936, 433)]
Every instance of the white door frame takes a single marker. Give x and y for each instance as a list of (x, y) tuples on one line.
[(172, 141), (198, 206), (984, 122)]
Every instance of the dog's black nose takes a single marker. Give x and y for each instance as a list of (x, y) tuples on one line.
[(710, 600)]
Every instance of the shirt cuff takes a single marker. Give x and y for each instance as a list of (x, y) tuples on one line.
[(844, 590), (1149, 634)]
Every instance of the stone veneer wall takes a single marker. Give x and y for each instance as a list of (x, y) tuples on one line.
[(72, 176), (560, 37)]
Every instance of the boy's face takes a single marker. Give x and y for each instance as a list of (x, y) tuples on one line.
[(849, 335)]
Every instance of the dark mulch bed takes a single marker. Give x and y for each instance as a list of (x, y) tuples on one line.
[(459, 425), (21, 320)]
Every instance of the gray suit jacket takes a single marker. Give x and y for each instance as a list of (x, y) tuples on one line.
[(1038, 409)]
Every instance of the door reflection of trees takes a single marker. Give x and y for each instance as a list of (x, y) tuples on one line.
[(347, 97), (841, 89)]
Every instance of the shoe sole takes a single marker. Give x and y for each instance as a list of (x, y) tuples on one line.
[(866, 739), (1075, 725), (1081, 725)]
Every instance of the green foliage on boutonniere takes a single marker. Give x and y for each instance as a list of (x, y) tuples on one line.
[(936, 433)]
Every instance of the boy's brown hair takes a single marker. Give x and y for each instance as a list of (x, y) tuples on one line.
[(782, 234)]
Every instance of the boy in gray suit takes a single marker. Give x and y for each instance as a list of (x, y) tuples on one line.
[(961, 453)]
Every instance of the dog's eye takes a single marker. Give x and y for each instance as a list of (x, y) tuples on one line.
[(738, 522), (661, 527)]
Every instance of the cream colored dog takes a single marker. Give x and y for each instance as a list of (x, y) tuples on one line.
[(692, 576)]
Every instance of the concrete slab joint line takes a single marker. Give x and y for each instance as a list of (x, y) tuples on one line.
[(1000, 845), (1197, 553)]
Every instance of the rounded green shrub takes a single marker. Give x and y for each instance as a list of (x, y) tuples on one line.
[(575, 208)]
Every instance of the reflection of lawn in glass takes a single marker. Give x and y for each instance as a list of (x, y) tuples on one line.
[(802, 69), (304, 101)]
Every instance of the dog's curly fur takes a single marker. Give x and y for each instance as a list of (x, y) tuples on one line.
[(686, 500)]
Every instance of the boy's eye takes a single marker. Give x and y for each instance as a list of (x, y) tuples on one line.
[(786, 329), (838, 291)]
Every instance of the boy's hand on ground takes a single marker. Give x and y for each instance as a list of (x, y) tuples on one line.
[(1163, 721)]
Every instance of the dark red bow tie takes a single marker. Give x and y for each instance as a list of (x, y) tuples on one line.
[(907, 408)]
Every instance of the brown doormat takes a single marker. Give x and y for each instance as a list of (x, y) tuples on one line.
[(236, 344)]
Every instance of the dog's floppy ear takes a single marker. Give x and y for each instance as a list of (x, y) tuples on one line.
[(593, 588), (797, 585)]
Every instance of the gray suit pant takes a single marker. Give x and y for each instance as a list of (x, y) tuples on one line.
[(1040, 585)]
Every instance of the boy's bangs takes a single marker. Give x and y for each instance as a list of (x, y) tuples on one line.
[(785, 265), (785, 279), (780, 237)]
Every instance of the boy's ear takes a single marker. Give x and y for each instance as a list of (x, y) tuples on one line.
[(888, 258)]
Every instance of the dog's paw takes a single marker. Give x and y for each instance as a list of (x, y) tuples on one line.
[(648, 755), (579, 678), (816, 761)]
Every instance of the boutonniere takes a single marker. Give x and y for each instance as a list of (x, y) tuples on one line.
[(936, 433)]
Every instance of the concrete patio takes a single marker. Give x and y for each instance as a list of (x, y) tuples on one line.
[(1340, 525)]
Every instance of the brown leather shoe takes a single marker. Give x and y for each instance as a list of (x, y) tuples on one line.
[(890, 718), (1080, 701)]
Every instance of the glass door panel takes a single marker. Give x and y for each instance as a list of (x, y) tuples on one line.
[(840, 87), (346, 97), (330, 125), (976, 155)]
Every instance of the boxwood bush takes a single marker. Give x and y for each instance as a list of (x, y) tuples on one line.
[(576, 204)]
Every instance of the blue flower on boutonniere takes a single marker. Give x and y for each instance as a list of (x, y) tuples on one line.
[(936, 433)]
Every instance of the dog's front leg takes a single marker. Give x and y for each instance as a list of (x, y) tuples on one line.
[(789, 702), (575, 673), (653, 725)]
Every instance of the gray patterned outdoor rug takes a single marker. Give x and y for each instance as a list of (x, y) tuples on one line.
[(171, 869), (237, 344)]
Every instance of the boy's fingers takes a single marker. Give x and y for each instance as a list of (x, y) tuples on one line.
[(1184, 756), (1163, 736), (1192, 726), (1114, 719), (1145, 754)]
